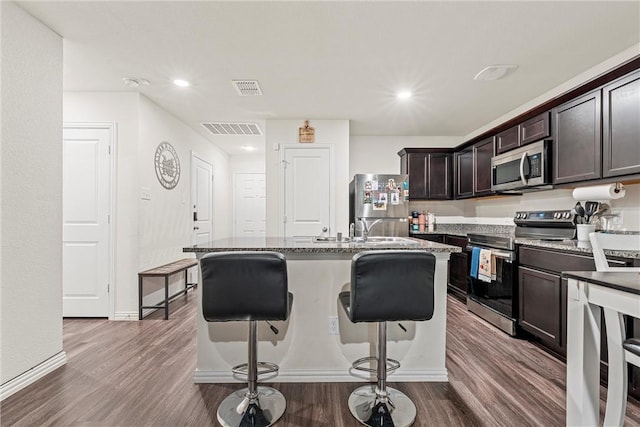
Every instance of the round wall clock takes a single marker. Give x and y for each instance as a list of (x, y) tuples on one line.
[(167, 165)]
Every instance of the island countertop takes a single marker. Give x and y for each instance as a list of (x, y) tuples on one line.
[(317, 272), (306, 245)]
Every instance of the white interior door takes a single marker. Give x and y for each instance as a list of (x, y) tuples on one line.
[(86, 261), (308, 190), (249, 205), (201, 200)]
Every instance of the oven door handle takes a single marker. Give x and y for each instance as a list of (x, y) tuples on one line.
[(506, 255)]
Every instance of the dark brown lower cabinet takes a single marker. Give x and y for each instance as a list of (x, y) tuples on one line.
[(543, 302), (541, 306), (458, 274)]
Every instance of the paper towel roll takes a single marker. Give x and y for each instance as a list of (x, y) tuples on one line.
[(599, 192)]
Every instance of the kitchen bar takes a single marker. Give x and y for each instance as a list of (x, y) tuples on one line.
[(306, 349)]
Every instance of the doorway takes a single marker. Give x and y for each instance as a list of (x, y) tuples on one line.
[(308, 190), (249, 205), (88, 167), (201, 200)]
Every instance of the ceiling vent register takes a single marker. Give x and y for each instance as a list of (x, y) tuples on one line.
[(247, 87), (225, 128)]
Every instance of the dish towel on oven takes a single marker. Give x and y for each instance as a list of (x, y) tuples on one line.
[(475, 260), (485, 265)]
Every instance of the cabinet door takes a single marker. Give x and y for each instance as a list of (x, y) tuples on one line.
[(458, 268), (418, 169), (621, 126), (439, 176), (535, 129), (482, 153), (508, 140), (577, 139), (540, 304), (464, 174)]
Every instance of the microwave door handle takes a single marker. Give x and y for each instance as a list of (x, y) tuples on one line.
[(522, 160)]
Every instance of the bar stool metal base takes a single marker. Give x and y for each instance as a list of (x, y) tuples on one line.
[(362, 400), (270, 400)]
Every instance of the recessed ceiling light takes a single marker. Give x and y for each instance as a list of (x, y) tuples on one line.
[(181, 83), (134, 81), (404, 94), (494, 72), (248, 147)]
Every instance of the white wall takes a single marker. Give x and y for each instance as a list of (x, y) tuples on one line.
[(379, 154), (165, 221), (331, 132), (31, 209), (247, 163), (150, 232)]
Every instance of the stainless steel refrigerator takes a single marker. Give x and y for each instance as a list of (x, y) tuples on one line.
[(379, 204)]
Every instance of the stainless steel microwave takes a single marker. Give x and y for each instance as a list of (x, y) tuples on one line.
[(525, 168)]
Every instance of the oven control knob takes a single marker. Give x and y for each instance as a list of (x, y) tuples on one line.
[(555, 215), (524, 215), (567, 215), (518, 215)]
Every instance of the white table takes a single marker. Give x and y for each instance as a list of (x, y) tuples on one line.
[(588, 294)]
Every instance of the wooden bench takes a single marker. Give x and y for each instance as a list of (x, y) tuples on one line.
[(166, 271)]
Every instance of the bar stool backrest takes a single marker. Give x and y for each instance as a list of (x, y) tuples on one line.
[(244, 285), (392, 285)]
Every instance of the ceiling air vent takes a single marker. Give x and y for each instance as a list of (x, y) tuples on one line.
[(247, 87), (225, 128)]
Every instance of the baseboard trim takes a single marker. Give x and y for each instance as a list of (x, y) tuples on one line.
[(126, 315), (32, 375), (308, 376)]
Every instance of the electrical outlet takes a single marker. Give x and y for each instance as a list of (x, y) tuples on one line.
[(276, 147), (617, 222), (334, 329)]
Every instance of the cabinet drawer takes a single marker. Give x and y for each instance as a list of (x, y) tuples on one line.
[(456, 241), (550, 260)]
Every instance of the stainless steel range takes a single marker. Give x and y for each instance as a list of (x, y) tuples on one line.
[(494, 295)]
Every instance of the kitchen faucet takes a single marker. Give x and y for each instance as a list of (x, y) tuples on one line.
[(366, 228)]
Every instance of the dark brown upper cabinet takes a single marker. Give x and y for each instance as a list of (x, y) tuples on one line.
[(577, 139), (482, 154), (473, 170), (508, 140), (464, 173), (430, 173), (532, 130), (621, 126), (536, 128)]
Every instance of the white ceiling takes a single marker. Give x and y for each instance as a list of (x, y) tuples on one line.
[(337, 60)]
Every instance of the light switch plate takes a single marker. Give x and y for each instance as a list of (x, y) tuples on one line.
[(145, 193)]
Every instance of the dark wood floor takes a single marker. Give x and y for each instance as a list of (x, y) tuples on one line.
[(141, 374)]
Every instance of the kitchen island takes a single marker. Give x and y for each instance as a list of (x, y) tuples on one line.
[(311, 346)]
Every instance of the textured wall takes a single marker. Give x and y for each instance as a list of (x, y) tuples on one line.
[(31, 282)]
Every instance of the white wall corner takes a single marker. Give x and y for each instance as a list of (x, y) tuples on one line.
[(32, 375)]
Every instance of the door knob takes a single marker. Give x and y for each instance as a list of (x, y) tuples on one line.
[(324, 229)]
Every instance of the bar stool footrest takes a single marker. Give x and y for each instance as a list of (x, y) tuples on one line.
[(267, 368), (392, 364)]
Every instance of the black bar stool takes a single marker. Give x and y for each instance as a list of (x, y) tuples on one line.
[(247, 286), (387, 286)]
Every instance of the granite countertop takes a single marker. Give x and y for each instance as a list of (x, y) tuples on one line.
[(463, 230), (306, 245)]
